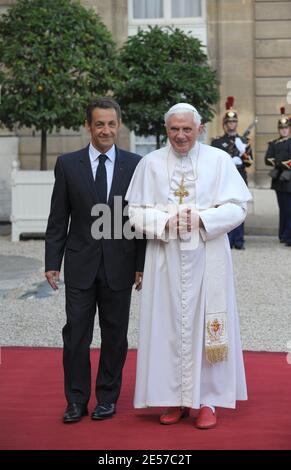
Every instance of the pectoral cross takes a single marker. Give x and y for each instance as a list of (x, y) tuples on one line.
[(181, 191)]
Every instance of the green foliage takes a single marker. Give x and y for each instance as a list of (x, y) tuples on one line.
[(157, 69), (54, 56)]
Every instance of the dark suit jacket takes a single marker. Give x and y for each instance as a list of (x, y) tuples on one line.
[(70, 222)]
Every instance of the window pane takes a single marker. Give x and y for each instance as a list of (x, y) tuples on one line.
[(186, 8), (144, 149), (144, 145), (147, 8)]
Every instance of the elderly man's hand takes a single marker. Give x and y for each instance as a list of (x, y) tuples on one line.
[(184, 222), (173, 226), (188, 221)]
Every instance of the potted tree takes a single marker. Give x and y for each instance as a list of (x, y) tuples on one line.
[(158, 68), (54, 56)]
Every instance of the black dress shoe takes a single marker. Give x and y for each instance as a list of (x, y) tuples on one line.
[(75, 412), (238, 247), (103, 411)]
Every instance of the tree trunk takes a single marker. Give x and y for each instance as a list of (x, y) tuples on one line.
[(43, 159), (158, 141)]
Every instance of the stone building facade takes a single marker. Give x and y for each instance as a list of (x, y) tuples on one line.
[(249, 44)]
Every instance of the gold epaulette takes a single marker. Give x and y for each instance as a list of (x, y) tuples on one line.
[(283, 139)]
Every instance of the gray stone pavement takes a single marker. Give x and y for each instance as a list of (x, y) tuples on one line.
[(31, 314)]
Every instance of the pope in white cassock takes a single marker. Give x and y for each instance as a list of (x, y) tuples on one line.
[(186, 197)]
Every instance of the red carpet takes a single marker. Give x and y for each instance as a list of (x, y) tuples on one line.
[(32, 403)]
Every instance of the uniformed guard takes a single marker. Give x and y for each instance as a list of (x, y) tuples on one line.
[(278, 156), (239, 149)]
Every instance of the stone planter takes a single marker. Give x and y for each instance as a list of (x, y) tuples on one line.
[(8, 153), (31, 195)]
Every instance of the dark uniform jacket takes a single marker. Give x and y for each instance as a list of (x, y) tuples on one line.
[(278, 156), (227, 143)]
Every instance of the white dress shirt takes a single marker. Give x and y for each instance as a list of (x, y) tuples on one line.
[(109, 164)]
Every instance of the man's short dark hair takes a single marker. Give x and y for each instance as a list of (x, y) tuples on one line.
[(103, 103)]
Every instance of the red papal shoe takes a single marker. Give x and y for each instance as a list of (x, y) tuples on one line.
[(206, 419), (174, 414)]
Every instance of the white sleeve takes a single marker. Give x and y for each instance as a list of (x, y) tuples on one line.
[(149, 220), (222, 219)]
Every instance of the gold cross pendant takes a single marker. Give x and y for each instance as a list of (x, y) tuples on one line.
[(181, 191)]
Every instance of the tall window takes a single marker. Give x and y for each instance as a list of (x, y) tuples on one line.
[(166, 9), (147, 9), (186, 8), (143, 145)]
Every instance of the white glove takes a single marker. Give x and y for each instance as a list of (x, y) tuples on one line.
[(240, 146), (237, 160)]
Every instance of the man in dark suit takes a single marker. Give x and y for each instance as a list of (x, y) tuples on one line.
[(97, 271)]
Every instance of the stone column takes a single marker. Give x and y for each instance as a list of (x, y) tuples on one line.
[(230, 48), (272, 74)]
